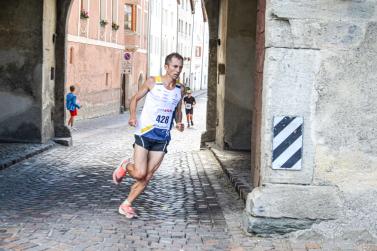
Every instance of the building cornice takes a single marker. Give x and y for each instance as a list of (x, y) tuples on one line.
[(85, 40)]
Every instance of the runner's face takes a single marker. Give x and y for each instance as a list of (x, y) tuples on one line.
[(174, 68)]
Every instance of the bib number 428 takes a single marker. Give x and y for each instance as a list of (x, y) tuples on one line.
[(162, 119)]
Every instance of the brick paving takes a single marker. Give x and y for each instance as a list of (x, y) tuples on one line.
[(63, 199)]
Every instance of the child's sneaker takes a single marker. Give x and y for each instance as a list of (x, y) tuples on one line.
[(121, 171), (127, 211), (192, 123)]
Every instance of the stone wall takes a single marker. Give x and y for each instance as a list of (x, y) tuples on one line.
[(212, 9), (21, 59), (321, 64), (95, 71), (49, 68)]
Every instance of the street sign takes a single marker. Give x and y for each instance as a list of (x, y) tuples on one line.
[(287, 142), (127, 56)]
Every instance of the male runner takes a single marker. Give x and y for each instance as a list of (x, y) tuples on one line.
[(189, 101), (152, 136)]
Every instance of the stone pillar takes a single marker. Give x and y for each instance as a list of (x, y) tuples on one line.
[(258, 88), (221, 72), (21, 71), (48, 82), (61, 130), (212, 8), (319, 73)]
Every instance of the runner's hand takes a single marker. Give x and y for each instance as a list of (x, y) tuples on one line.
[(180, 127), (132, 121)]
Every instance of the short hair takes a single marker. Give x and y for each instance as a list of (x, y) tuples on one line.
[(72, 88), (171, 56)]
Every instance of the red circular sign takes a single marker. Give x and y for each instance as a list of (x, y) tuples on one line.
[(127, 56)]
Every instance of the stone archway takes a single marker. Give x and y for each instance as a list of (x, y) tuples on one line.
[(28, 70), (63, 8), (236, 53), (32, 67)]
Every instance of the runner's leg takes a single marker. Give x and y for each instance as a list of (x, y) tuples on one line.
[(154, 161), (138, 169)]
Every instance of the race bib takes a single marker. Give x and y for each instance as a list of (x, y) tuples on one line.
[(163, 119), (188, 106)]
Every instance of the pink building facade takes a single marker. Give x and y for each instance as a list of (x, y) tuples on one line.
[(95, 48), (134, 61)]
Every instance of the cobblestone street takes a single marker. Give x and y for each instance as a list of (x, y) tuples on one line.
[(64, 199)]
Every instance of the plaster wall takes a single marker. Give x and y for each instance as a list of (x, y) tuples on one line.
[(321, 64), (239, 79), (90, 28), (139, 68), (21, 71), (94, 56), (95, 71)]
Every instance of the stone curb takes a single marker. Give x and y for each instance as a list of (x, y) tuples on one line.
[(20, 158), (238, 185)]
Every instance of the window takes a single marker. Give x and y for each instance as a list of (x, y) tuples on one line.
[(129, 17), (103, 9), (139, 18), (152, 8), (84, 5), (107, 78), (198, 51), (115, 11), (145, 28), (71, 51)]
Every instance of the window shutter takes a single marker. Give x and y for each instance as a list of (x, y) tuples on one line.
[(134, 18)]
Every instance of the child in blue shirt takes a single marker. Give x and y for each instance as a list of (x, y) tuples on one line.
[(71, 104)]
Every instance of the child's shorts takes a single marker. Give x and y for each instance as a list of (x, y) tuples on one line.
[(73, 113)]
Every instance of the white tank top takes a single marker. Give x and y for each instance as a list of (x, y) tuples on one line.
[(156, 118)]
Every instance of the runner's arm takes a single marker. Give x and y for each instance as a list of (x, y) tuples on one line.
[(178, 111), (145, 88)]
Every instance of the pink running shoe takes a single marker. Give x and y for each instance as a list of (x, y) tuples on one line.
[(127, 211), (121, 171)]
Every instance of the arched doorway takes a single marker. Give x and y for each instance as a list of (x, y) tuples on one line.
[(62, 13), (234, 82)]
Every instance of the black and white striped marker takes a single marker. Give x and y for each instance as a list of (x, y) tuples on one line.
[(287, 143)]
